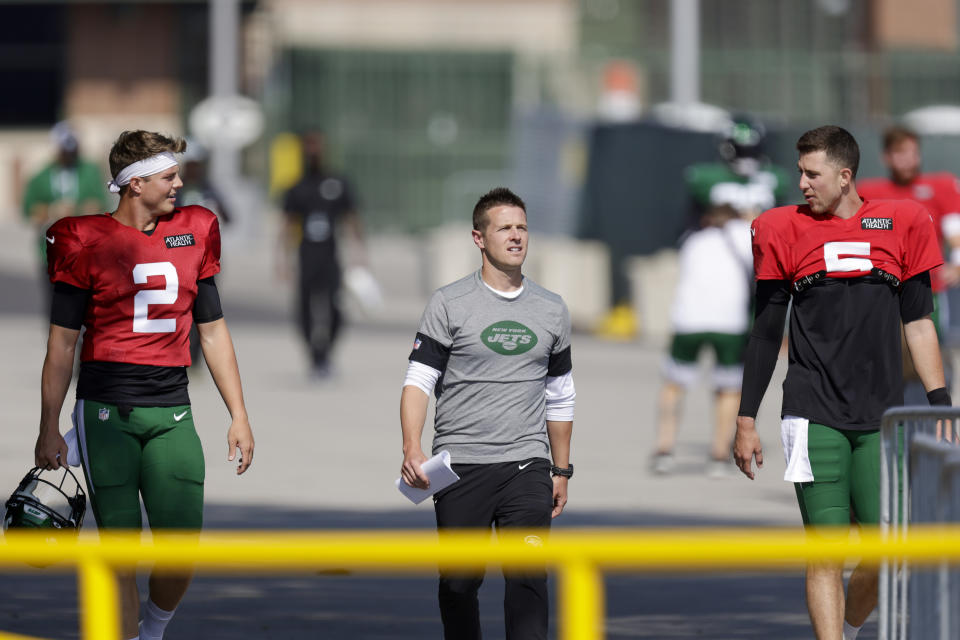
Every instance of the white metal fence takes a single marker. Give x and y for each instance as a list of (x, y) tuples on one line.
[(920, 483)]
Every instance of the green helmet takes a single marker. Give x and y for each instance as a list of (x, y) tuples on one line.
[(39, 503), (743, 138)]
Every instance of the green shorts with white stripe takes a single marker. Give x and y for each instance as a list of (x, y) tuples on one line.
[(153, 452)]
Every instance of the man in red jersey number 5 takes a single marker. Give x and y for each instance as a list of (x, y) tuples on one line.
[(853, 269), (136, 279)]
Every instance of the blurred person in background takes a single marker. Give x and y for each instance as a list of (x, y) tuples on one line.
[(314, 209), (854, 271), (68, 186), (744, 179), (495, 349), (711, 309), (136, 279), (198, 190), (939, 193), (715, 279)]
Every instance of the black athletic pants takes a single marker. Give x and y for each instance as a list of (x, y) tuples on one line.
[(319, 311), (507, 495)]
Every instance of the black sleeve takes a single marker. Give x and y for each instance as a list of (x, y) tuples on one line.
[(428, 351), (772, 300), (559, 363), (206, 308), (916, 298), (68, 306)]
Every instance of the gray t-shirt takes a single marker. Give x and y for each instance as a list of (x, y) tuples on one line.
[(495, 354)]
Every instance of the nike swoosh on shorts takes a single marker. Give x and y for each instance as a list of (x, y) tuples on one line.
[(525, 465), (178, 418)]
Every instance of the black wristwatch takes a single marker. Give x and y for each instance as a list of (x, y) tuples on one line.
[(563, 473)]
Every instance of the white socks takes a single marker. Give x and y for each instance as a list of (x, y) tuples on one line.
[(849, 631), (154, 621)]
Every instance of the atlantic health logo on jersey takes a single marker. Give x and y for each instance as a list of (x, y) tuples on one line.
[(181, 240), (879, 224)]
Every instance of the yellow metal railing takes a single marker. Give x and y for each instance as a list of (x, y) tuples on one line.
[(579, 558)]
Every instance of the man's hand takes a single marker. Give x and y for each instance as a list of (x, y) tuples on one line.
[(559, 495), (946, 432), (51, 450), (746, 446), (411, 472), (240, 435)]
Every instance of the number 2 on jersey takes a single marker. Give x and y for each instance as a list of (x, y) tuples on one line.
[(833, 250), (141, 302)]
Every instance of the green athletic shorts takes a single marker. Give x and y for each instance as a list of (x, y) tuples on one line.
[(846, 474), (152, 452), (729, 347)]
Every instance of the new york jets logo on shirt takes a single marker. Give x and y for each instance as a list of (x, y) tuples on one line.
[(508, 338)]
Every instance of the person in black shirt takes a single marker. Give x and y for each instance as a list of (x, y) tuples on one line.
[(314, 208)]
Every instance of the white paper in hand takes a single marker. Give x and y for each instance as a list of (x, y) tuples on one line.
[(441, 476)]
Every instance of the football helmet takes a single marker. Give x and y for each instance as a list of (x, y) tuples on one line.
[(742, 144), (46, 503)]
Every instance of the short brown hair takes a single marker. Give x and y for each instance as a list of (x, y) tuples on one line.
[(133, 146), (894, 135), (499, 197), (839, 145)]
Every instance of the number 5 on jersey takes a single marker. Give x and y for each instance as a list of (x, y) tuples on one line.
[(833, 250), (142, 301)]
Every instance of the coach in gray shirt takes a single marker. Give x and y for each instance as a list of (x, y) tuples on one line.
[(495, 349)]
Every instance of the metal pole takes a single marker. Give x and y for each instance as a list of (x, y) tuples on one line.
[(887, 470), (685, 51), (582, 601), (224, 70), (99, 597)]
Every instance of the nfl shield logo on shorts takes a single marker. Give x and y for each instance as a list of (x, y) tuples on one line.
[(104, 414)]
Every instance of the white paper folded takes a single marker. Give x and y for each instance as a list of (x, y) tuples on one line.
[(439, 472)]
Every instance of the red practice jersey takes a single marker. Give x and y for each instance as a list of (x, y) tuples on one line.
[(845, 363), (142, 287), (896, 236), (938, 192)]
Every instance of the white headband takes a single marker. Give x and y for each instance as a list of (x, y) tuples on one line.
[(141, 168)]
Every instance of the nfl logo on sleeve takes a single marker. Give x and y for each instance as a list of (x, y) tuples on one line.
[(416, 344), (104, 414)]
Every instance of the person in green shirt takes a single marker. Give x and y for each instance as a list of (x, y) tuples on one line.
[(67, 186), (745, 179)]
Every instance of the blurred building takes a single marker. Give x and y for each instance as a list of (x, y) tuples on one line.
[(105, 66), (850, 61), (427, 102), (417, 97)]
